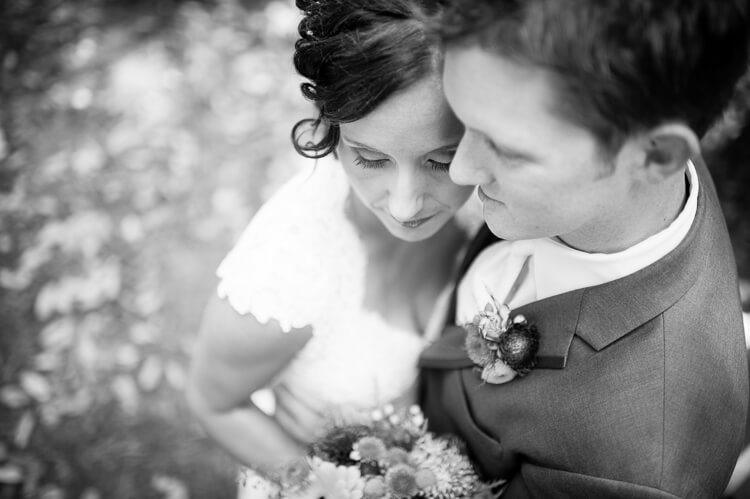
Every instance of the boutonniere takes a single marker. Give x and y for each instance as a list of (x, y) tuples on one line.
[(502, 345)]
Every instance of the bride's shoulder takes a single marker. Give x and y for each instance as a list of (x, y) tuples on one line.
[(306, 206), (285, 264)]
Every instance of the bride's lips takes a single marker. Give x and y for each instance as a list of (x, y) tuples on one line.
[(414, 222)]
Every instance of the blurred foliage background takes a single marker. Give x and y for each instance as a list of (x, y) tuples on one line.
[(137, 138)]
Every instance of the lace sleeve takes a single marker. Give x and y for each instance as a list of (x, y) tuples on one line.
[(293, 260)]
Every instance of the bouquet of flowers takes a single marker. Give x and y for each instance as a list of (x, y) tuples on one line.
[(391, 456)]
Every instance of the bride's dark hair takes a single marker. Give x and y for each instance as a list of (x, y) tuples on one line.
[(356, 54)]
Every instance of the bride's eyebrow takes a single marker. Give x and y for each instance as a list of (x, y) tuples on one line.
[(359, 145)]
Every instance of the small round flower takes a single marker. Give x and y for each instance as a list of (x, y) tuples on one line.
[(425, 478), (401, 482), (374, 488), (369, 449), (394, 456), (518, 347), (477, 347), (519, 319)]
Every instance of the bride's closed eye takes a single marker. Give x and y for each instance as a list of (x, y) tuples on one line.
[(437, 166), (370, 163)]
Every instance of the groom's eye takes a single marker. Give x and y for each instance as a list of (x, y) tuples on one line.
[(505, 154)]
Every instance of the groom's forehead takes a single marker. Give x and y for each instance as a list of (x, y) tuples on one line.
[(499, 97)]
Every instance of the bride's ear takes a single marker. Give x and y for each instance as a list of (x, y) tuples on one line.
[(667, 149)]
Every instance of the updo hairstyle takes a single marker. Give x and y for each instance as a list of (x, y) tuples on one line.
[(356, 54)]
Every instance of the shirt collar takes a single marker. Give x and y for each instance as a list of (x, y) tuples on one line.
[(559, 268)]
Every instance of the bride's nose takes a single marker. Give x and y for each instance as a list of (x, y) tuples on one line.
[(406, 197)]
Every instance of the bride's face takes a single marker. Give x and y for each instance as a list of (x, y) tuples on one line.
[(397, 160)]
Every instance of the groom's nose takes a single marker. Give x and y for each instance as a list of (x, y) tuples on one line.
[(406, 196), (469, 163)]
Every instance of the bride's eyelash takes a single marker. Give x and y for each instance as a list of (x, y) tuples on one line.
[(438, 166), (380, 163), (370, 163)]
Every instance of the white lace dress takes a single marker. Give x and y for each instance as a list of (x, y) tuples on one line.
[(301, 262)]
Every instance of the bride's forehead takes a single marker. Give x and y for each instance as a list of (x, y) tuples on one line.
[(416, 118)]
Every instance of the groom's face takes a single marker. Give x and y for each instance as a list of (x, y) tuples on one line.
[(538, 174)]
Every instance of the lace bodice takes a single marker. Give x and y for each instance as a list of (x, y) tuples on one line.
[(301, 262)]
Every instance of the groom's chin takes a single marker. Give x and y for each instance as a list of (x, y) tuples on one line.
[(506, 231)]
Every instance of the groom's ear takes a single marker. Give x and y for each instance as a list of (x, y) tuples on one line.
[(667, 148)]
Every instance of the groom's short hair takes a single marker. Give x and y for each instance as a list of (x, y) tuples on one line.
[(619, 66)]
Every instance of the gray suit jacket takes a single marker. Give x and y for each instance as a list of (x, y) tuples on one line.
[(641, 387)]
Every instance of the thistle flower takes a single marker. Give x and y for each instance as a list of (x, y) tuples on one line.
[(452, 471), (374, 488), (394, 456), (425, 478), (401, 482), (477, 347), (368, 449)]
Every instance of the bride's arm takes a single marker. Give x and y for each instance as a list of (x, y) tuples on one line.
[(235, 356)]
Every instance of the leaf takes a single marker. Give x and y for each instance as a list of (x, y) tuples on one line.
[(170, 487), (126, 392), (91, 494), (102, 283), (78, 403), (128, 356), (50, 414), (131, 229), (47, 361), (142, 333), (13, 397), (36, 385), (24, 429), (51, 492), (175, 374), (3, 145), (10, 474), (148, 302), (150, 374), (58, 335)]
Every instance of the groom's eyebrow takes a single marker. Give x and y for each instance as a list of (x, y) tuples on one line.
[(506, 152)]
